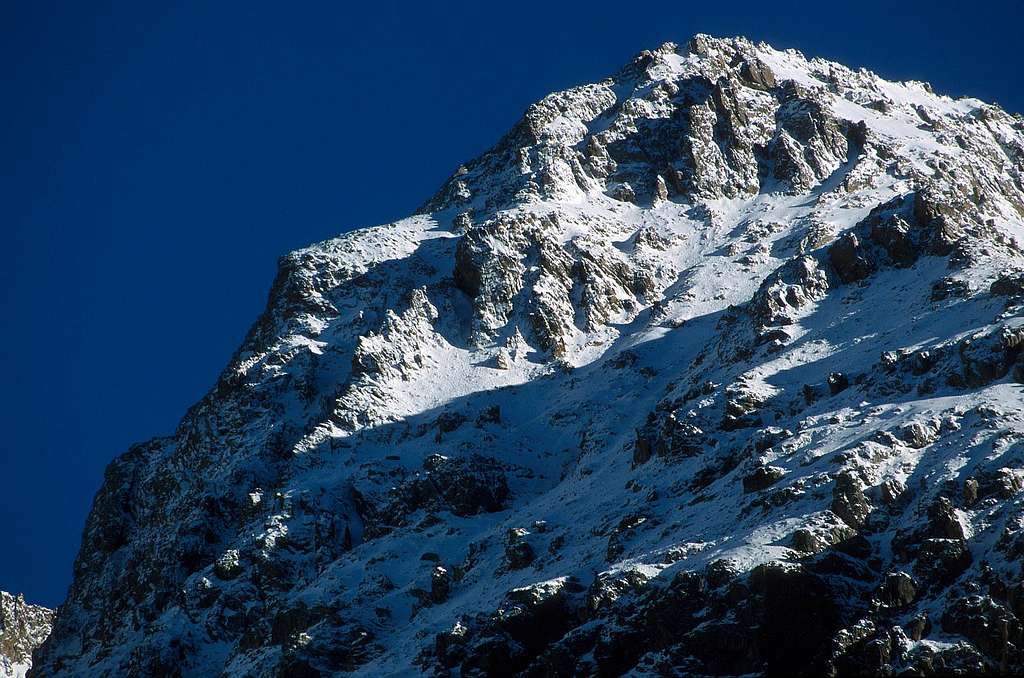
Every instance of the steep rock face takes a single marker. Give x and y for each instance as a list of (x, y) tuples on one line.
[(23, 628), (709, 368)]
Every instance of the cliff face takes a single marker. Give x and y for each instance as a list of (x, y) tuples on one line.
[(23, 628), (711, 367)]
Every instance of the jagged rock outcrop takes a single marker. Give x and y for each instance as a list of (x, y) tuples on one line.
[(710, 368), (23, 628)]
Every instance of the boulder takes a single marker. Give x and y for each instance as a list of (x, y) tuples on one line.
[(518, 551), (837, 383), (897, 591), (918, 435), (848, 259), (943, 521), (755, 73), (762, 478), (848, 499)]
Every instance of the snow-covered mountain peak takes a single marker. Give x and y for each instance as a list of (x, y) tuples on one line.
[(707, 368)]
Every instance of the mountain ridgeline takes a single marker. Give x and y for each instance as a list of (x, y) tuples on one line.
[(712, 367)]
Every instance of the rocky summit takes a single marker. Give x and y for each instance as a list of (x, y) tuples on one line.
[(712, 367), (23, 628)]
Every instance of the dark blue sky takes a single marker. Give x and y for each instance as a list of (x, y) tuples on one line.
[(158, 159)]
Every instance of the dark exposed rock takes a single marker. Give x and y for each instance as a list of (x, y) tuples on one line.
[(848, 260), (896, 233), (783, 612), (669, 438), (848, 500), (943, 521), (289, 622), (518, 551), (968, 363), (799, 614), (941, 560), (815, 541), (1004, 483), (623, 192), (464, 486), (622, 533), (762, 478), (898, 591), (623, 360), (440, 584), (809, 143), (989, 626), (756, 73), (919, 627), (837, 383), (1009, 284), (609, 588), (990, 356), (448, 422), (970, 492), (507, 641), (492, 415), (950, 288), (891, 491)]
